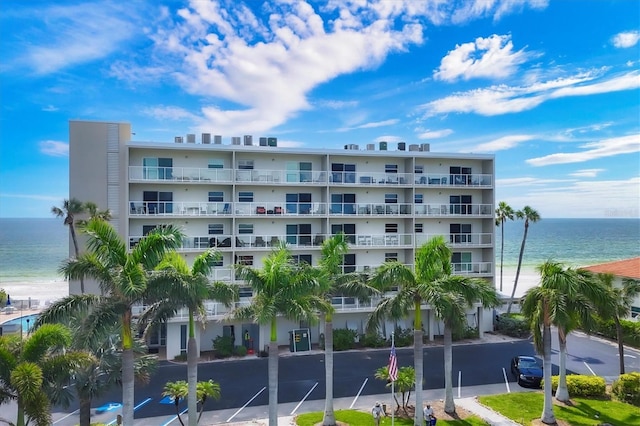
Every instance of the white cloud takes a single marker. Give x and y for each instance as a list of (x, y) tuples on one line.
[(389, 138), (162, 113), (505, 142), (604, 148), (50, 108), (372, 125), (337, 104), (55, 198), (590, 173), (503, 99), (54, 148), (626, 39), (75, 34), (434, 134), (472, 9), (492, 57)]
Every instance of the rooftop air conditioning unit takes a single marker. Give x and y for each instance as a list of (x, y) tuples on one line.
[(206, 138), (371, 147), (414, 147), (383, 146), (217, 139), (191, 138), (263, 141), (178, 139), (248, 140), (425, 147), (401, 146), (235, 140), (272, 141)]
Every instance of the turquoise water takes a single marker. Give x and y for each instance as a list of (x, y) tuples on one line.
[(26, 321), (33, 249)]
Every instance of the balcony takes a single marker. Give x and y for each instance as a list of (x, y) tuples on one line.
[(174, 208), (481, 269), (179, 174), (465, 180), (480, 210), (459, 240), (370, 179)]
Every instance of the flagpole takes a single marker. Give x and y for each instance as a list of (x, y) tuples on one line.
[(392, 390)]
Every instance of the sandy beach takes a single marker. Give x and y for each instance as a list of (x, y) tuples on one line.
[(36, 290)]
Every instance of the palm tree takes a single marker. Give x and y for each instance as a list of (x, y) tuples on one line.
[(123, 278), (33, 372), (177, 284), (529, 215), (179, 390), (334, 283), (92, 209), (206, 390), (70, 208), (403, 385), (432, 262), (281, 288), (504, 212), (579, 295), (542, 306), (618, 306)]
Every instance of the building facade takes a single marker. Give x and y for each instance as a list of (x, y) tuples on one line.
[(246, 196)]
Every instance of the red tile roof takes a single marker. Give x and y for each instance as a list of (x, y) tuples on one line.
[(628, 268)]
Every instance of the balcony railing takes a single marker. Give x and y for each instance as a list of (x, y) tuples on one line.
[(483, 210), (288, 177), (458, 240), (178, 208)]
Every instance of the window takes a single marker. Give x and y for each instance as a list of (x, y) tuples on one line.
[(245, 164), (391, 198), (460, 233), (349, 230), (460, 204), (245, 260), (245, 228), (158, 202), (217, 262), (460, 175), (298, 203), (157, 168), (300, 258), (418, 198), (349, 263), (216, 229), (343, 173), (391, 168), (391, 257), (419, 228), (245, 292), (299, 234), (391, 228), (216, 163), (245, 196), (215, 196), (418, 169), (343, 203), (461, 262)]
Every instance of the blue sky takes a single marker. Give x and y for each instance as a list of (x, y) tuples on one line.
[(552, 88)]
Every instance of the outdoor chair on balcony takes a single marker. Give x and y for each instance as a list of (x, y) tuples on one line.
[(261, 210), (318, 240), (260, 242), (274, 242)]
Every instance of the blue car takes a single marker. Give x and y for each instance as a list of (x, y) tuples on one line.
[(527, 370)]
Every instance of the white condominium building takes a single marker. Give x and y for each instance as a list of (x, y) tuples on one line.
[(245, 195)]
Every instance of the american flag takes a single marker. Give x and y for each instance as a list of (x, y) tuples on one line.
[(393, 365)]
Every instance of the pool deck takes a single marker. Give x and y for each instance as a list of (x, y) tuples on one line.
[(9, 314)]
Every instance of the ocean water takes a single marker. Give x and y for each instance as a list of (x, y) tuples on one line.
[(33, 249)]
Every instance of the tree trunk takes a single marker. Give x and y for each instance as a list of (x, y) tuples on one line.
[(620, 338), (329, 416), (192, 381), (419, 373), (20, 418), (192, 373), (449, 405), (562, 393), (72, 231), (501, 252), (273, 383), (85, 411), (127, 387), (515, 282), (547, 411)]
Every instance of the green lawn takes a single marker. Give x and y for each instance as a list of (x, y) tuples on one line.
[(360, 418), (527, 406)]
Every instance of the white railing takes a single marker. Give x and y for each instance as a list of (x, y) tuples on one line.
[(484, 210), (179, 208), (457, 240), (180, 174), (465, 180)]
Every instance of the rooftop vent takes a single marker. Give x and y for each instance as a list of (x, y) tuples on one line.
[(402, 146), (235, 140), (371, 147), (206, 138), (263, 141), (217, 139), (248, 140), (272, 141), (383, 146), (191, 138), (414, 147), (425, 147), (352, 146), (177, 139)]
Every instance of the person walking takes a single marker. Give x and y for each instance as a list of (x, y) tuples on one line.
[(429, 418), (247, 339), (377, 413)]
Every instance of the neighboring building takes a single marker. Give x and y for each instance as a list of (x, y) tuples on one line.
[(621, 269), (244, 198)]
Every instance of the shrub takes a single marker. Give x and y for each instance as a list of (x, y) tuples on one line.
[(630, 331), (512, 325), (627, 388), (223, 346), (466, 333), (582, 386), (240, 350), (180, 358), (344, 339), (403, 337), (372, 340)]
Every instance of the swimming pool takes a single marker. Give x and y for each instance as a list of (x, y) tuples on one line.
[(26, 322)]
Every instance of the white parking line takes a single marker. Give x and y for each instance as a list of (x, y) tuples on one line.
[(359, 392), (245, 405), (506, 381), (305, 397), (459, 383), (587, 365), (62, 418)]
